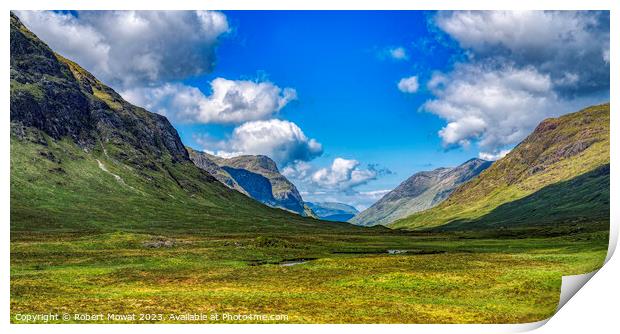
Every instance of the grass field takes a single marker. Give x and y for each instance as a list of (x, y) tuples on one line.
[(83, 242), (352, 279)]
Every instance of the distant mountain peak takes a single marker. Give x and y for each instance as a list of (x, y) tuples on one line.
[(333, 211), (256, 176), (421, 191), (256, 162)]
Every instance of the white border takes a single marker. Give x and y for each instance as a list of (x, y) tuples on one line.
[(314, 4), (594, 307)]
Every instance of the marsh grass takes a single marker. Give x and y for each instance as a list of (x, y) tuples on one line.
[(472, 281)]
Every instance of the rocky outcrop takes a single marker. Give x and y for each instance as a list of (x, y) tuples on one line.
[(205, 162), (58, 97), (256, 176)]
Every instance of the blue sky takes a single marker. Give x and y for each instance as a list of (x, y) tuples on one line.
[(346, 83), (349, 103)]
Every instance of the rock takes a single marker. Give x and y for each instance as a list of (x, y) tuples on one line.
[(160, 243)]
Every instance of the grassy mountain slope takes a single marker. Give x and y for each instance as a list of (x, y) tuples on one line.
[(83, 159), (581, 203), (558, 150), (421, 191)]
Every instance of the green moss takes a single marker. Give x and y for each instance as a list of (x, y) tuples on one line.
[(33, 90)]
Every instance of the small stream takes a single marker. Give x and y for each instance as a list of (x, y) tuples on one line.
[(391, 252), (283, 263), (292, 263)]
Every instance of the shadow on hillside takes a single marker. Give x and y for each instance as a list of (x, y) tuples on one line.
[(577, 205)]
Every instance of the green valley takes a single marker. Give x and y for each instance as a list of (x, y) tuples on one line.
[(110, 215)]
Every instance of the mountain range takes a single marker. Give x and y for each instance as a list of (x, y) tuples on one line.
[(558, 175), (84, 159), (333, 211), (421, 191), (256, 176)]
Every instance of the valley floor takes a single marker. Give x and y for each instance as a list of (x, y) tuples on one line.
[(435, 278)]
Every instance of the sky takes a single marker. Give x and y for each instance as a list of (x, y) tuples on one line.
[(348, 103)]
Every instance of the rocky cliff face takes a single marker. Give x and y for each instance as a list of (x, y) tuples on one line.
[(421, 191), (256, 176), (204, 161), (58, 97), (44, 93)]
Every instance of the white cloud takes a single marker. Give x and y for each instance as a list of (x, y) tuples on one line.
[(343, 174), (298, 170), (522, 67), (461, 130), (606, 55), (282, 141), (128, 48), (496, 107), (398, 53), (337, 182), (409, 85), (493, 156), (231, 101), (375, 194), (555, 42), (526, 32)]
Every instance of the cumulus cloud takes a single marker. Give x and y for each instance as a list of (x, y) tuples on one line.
[(298, 170), (555, 42), (522, 67), (408, 85), (338, 182), (494, 106), (231, 101), (127, 48), (493, 156), (283, 141), (343, 174)]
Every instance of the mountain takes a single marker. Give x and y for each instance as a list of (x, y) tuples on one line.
[(85, 160), (256, 176), (421, 191), (204, 161), (333, 211), (557, 176)]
